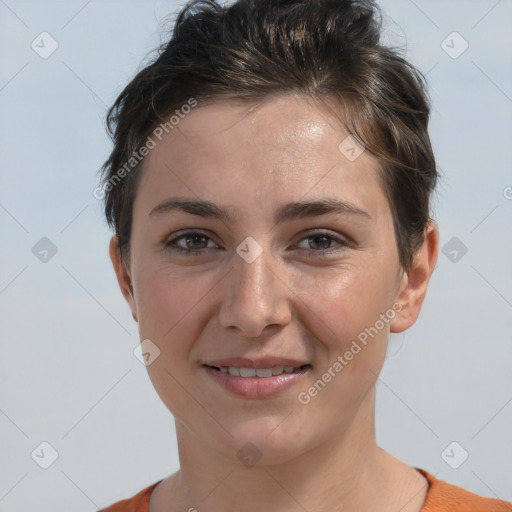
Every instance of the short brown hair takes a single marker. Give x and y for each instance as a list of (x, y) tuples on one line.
[(251, 49)]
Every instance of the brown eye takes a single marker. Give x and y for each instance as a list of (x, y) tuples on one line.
[(322, 244), (194, 240), (191, 242)]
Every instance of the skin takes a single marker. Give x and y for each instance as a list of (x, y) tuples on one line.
[(317, 457)]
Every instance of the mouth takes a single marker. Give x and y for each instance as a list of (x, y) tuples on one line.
[(261, 373), (257, 383)]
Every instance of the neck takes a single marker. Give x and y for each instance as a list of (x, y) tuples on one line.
[(347, 472)]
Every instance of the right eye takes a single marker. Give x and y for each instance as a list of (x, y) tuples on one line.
[(190, 242)]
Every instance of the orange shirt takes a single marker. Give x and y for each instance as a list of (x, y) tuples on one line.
[(441, 497)]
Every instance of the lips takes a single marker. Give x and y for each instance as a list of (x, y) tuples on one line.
[(257, 378), (258, 386), (260, 363)]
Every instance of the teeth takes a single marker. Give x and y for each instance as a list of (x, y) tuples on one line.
[(247, 372), (234, 371), (260, 372), (277, 370)]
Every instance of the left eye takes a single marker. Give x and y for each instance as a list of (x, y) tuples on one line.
[(322, 241)]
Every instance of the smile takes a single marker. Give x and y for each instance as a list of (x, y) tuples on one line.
[(259, 372), (257, 382)]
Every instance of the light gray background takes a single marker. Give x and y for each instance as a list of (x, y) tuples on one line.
[(68, 373)]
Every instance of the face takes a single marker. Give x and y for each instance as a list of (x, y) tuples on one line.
[(300, 265)]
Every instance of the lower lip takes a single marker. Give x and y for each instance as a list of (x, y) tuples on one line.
[(256, 387)]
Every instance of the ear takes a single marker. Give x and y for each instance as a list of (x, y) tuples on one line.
[(413, 284), (123, 275)]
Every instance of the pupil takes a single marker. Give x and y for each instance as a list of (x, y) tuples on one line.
[(194, 238), (326, 239)]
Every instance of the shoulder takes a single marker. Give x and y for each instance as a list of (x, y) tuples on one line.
[(444, 497), (137, 503)]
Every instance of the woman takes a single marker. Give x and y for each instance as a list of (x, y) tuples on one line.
[(269, 188)]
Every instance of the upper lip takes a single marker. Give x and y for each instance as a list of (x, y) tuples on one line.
[(263, 362)]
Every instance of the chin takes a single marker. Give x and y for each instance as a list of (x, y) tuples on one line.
[(264, 441)]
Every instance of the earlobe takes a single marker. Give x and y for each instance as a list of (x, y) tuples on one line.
[(414, 284), (123, 275)]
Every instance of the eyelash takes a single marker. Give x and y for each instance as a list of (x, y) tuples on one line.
[(171, 244)]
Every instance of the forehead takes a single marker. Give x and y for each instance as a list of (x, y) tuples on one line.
[(286, 146), (286, 124)]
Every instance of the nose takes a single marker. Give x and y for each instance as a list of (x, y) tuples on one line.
[(256, 297)]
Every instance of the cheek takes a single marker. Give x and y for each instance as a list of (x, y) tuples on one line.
[(344, 302), (167, 300), (171, 311), (344, 312)]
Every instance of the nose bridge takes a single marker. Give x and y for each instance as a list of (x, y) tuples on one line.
[(254, 297)]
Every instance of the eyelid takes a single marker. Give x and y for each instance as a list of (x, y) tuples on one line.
[(323, 231)]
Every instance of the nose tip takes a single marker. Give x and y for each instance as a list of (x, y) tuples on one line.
[(255, 300)]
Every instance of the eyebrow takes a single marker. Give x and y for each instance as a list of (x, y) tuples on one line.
[(285, 212)]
